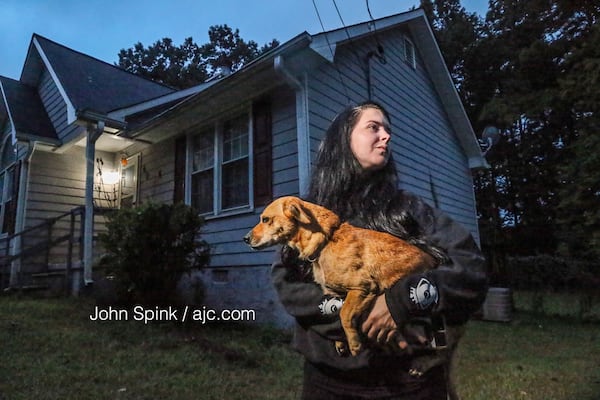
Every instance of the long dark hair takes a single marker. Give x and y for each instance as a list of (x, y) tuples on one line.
[(366, 198)]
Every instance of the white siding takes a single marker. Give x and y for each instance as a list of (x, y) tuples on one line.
[(157, 172), (57, 183), (426, 149), (56, 108), (56, 186)]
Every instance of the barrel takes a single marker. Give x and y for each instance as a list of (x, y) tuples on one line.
[(498, 305)]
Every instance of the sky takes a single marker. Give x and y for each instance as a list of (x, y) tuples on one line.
[(101, 28)]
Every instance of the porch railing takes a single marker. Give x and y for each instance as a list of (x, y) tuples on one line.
[(54, 246)]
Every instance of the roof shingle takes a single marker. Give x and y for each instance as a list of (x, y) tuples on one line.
[(26, 110), (95, 85)]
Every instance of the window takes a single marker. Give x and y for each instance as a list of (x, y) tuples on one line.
[(221, 166), (409, 53), (203, 171), (227, 166), (8, 186)]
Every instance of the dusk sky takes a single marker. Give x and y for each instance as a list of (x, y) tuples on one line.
[(100, 28)]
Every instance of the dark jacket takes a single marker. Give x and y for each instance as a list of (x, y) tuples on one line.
[(455, 289)]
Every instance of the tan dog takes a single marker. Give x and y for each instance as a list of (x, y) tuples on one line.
[(355, 263)]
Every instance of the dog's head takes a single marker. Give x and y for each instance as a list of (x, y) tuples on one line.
[(279, 222)]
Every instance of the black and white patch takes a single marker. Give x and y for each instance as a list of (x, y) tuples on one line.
[(424, 295), (331, 305)]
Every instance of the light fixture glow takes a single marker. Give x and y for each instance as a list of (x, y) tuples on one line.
[(111, 177)]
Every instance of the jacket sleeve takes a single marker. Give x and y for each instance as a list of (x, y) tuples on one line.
[(302, 297), (455, 289)]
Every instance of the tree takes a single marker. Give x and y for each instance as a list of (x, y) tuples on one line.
[(579, 208), (457, 32), (228, 50), (531, 68), (522, 101), (190, 64)]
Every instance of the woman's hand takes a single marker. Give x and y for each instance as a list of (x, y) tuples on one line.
[(380, 327)]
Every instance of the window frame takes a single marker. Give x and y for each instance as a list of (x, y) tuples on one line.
[(217, 127), (410, 54)]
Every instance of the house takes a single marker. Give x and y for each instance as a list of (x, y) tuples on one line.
[(227, 146)]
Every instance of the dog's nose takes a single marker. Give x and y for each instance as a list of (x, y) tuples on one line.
[(247, 238)]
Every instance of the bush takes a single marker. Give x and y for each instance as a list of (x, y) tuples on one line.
[(544, 273), (148, 249), (549, 272)]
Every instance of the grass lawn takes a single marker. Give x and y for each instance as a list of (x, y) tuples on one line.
[(51, 350)]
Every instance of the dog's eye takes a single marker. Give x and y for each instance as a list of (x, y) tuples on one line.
[(265, 220)]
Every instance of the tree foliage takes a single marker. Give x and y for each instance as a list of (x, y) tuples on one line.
[(532, 68), (189, 63), (579, 207)]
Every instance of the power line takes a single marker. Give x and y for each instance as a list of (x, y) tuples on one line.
[(332, 54), (369, 11)]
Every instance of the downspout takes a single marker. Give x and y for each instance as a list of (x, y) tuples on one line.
[(94, 130), (302, 127), (15, 267)]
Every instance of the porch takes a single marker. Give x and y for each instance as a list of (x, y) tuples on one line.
[(50, 261)]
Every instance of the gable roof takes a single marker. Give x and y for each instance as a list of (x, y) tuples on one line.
[(26, 111), (301, 53), (416, 21), (86, 83)]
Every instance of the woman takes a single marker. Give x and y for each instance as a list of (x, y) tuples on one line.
[(355, 177)]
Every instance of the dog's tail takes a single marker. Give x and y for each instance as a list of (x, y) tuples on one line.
[(438, 254)]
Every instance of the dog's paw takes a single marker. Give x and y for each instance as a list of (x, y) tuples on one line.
[(342, 349), (356, 348)]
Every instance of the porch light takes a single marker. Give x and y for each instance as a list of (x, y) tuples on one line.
[(111, 177)]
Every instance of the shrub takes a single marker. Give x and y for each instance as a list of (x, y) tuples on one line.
[(545, 273), (549, 272), (148, 249)]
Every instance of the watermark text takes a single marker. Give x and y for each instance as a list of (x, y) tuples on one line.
[(146, 315)]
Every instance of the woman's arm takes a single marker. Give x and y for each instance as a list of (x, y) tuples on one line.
[(303, 298), (455, 289)]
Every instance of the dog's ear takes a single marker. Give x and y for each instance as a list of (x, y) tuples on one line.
[(295, 210)]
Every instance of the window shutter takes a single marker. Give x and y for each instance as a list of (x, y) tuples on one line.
[(10, 214), (179, 178), (263, 159)]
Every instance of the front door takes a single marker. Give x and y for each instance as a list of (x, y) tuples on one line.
[(128, 191)]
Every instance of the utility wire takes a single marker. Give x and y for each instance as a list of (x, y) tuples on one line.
[(331, 50)]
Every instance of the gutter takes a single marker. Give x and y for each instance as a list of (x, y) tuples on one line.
[(302, 126), (84, 117)]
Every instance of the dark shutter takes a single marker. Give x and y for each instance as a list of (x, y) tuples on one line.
[(10, 214), (263, 159), (179, 178)]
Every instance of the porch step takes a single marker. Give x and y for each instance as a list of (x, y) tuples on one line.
[(47, 284), (48, 275), (35, 290)]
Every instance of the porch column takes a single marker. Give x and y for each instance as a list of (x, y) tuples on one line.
[(23, 179), (93, 133)]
